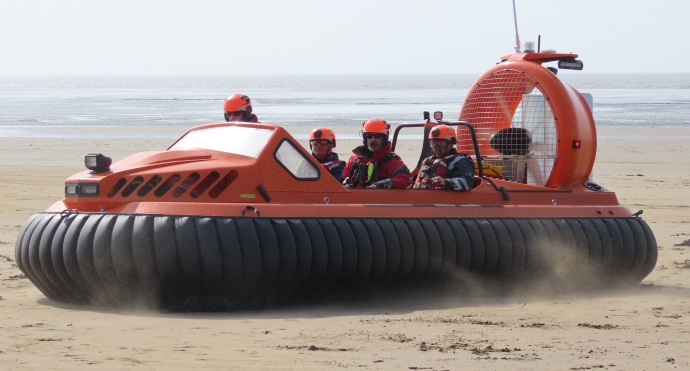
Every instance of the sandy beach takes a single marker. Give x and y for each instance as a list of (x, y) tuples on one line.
[(641, 328)]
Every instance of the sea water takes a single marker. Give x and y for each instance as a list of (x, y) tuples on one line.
[(29, 104)]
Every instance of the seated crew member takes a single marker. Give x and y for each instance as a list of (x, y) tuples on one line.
[(238, 108), (321, 143), (446, 168), (373, 165)]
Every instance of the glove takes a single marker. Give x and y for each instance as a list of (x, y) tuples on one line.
[(386, 183)]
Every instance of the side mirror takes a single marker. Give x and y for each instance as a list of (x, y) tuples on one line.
[(426, 115)]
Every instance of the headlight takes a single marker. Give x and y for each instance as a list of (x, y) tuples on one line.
[(90, 189), (71, 189), (82, 189)]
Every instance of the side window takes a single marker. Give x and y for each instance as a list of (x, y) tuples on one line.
[(294, 161)]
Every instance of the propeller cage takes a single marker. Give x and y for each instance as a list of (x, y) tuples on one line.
[(526, 120)]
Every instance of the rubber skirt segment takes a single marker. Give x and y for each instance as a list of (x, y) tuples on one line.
[(407, 250), (57, 260), (150, 291), (177, 261), (477, 245), (288, 262), (393, 251), (35, 261), (319, 279), (44, 252), (652, 252), (506, 246), (165, 247), (23, 254), (231, 255), (378, 251)]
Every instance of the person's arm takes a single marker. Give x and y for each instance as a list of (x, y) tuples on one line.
[(347, 169), (338, 171), (399, 173), (459, 175)]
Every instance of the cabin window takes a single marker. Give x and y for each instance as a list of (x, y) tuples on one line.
[(295, 162), (239, 140)]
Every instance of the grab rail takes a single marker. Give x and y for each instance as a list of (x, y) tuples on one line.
[(429, 125)]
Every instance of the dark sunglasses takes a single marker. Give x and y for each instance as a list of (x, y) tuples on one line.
[(322, 142), (231, 114), (377, 136)]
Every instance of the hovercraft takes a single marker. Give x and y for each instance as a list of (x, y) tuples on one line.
[(240, 215)]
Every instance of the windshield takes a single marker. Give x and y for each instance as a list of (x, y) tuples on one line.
[(232, 139)]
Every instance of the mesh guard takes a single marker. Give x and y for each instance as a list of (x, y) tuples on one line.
[(511, 99)]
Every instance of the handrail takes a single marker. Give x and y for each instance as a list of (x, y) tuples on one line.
[(406, 125)]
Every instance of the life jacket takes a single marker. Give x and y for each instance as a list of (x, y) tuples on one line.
[(334, 166), (432, 167), (363, 174), (330, 165)]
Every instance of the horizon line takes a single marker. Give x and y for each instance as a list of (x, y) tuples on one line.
[(329, 74)]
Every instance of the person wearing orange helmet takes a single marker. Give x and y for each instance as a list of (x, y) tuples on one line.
[(321, 143), (446, 168), (238, 107), (373, 165)]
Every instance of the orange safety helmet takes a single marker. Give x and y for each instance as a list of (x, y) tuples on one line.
[(376, 126), (443, 132), (238, 103), (322, 134)]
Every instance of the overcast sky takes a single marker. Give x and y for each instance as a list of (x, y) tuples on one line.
[(227, 37)]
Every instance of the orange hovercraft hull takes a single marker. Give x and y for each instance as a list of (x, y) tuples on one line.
[(238, 215)]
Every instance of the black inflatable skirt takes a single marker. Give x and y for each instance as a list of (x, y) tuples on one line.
[(178, 262)]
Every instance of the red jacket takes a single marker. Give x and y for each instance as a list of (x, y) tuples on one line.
[(386, 165)]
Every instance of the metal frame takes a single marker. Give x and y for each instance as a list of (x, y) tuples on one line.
[(426, 139)]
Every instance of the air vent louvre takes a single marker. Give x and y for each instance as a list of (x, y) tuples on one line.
[(182, 188), (223, 184), (149, 185), (203, 186), (165, 187), (132, 186), (116, 188)]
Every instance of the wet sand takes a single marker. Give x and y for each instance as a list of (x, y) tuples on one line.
[(642, 328)]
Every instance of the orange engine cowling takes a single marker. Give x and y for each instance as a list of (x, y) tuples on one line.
[(539, 129)]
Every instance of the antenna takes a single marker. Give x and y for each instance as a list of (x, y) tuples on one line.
[(517, 36)]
